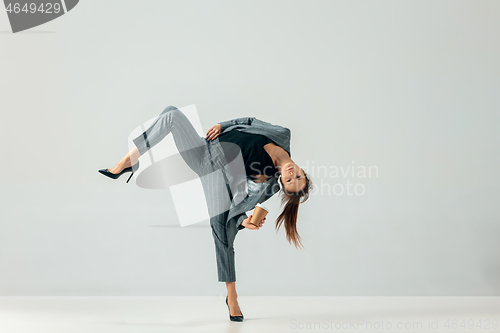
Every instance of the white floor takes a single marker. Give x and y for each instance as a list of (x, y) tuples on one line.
[(262, 314)]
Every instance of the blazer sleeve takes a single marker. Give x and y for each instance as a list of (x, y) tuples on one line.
[(240, 219), (252, 121), (237, 121), (277, 128)]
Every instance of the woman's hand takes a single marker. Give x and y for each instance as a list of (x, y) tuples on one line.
[(214, 132), (246, 223)]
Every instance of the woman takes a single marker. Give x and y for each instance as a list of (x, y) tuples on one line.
[(265, 151)]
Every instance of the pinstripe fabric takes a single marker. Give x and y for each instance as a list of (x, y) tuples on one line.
[(229, 194)]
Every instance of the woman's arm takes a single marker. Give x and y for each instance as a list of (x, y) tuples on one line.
[(246, 223), (213, 132), (237, 121), (239, 221), (243, 222), (217, 129)]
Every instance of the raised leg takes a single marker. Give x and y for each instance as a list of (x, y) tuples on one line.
[(191, 146), (189, 143)]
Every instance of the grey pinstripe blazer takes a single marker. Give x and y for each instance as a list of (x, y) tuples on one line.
[(256, 192)]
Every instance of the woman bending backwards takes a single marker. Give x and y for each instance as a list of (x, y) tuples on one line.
[(266, 163)]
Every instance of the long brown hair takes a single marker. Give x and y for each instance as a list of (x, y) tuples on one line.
[(291, 200)]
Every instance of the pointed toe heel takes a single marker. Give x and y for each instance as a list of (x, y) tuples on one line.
[(234, 318), (132, 169)]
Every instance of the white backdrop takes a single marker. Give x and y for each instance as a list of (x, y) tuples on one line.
[(409, 89)]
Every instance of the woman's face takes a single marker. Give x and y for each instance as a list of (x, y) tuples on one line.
[(292, 177)]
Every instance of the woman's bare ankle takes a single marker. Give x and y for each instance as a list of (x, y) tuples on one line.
[(117, 168), (127, 161)]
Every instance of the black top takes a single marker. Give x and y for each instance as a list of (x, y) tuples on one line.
[(257, 160)]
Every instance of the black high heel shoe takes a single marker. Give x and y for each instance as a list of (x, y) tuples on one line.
[(234, 318), (132, 169)]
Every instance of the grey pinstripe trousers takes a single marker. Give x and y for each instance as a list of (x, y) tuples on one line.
[(195, 153)]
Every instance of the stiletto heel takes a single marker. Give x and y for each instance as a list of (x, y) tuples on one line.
[(132, 169), (234, 318), (130, 176)]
